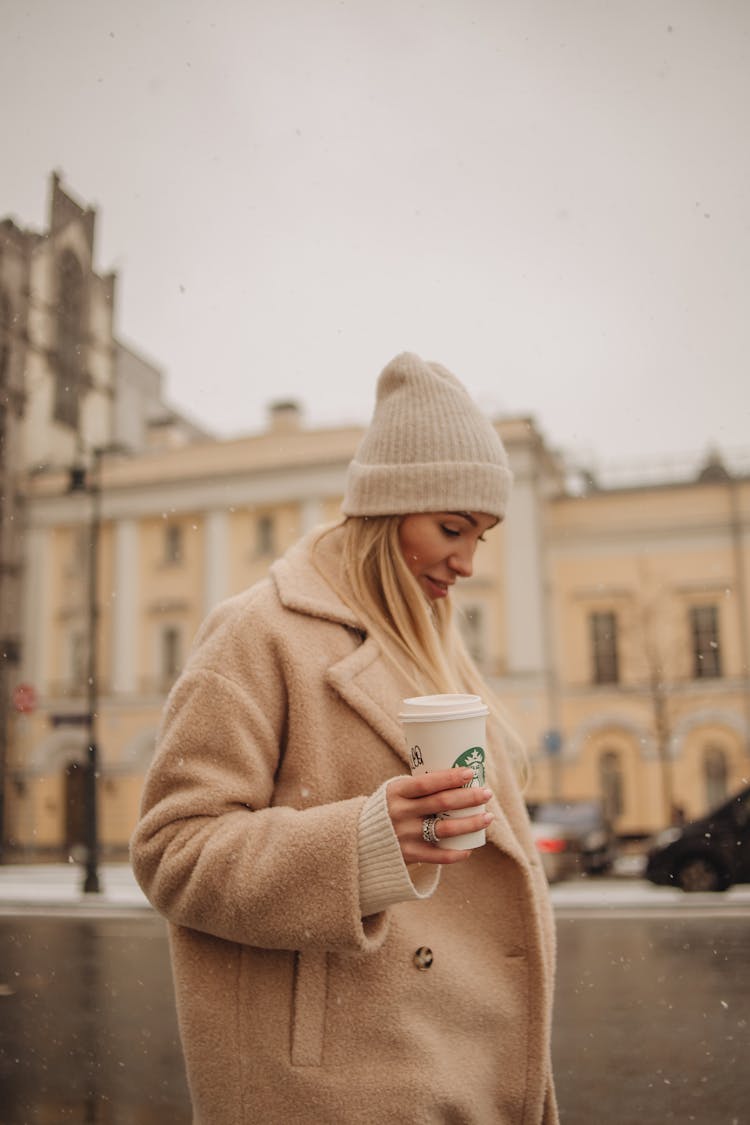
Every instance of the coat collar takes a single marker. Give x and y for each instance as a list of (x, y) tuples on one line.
[(312, 588)]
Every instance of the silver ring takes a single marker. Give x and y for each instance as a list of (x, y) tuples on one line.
[(428, 829)]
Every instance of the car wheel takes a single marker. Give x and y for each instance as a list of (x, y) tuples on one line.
[(698, 874)]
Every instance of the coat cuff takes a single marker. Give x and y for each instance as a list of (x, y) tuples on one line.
[(384, 878)]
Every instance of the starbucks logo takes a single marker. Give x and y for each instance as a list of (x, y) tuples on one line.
[(474, 759)]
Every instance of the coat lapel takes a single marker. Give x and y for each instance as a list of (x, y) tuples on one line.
[(359, 677), (360, 682)]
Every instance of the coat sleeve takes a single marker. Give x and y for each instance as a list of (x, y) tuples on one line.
[(211, 852)]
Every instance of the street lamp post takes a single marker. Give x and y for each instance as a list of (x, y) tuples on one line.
[(91, 484)]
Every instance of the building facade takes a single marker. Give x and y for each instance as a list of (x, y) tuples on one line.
[(650, 622), (613, 622), (70, 392), (15, 260)]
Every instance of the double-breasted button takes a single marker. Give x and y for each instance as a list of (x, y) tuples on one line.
[(423, 958)]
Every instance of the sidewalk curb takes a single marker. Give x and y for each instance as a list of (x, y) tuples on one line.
[(56, 891)]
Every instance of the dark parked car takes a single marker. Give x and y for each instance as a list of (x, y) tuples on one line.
[(572, 837), (708, 854)]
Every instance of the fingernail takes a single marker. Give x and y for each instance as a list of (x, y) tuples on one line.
[(466, 775), (487, 794)]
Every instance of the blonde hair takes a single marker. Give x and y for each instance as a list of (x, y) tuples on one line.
[(420, 638)]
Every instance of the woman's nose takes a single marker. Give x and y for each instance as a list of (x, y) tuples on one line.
[(461, 562)]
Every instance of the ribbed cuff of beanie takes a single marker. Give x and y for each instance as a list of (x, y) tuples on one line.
[(384, 878), (383, 490)]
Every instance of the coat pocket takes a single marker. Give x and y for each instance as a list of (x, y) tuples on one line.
[(309, 1014)]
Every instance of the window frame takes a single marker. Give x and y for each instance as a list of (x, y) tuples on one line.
[(174, 544), (71, 313), (605, 650), (705, 642)]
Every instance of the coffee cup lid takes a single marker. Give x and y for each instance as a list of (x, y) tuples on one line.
[(435, 708)]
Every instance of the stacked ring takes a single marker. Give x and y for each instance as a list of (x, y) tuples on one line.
[(429, 834)]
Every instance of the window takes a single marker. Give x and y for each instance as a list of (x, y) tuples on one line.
[(265, 539), (715, 776), (172, 544), (3, 433), (171, 657), (79, 661), (6, 317), (704, 632), (80, 550), (471, 622), (603, 631), (5, 320), (69, 377), (610, 784)]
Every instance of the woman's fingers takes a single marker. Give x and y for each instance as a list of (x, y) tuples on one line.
[(411, 799), (447, 827), (421, 852), (423, 784), (415, 850)]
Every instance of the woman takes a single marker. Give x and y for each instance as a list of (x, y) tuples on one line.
[(330, 963)]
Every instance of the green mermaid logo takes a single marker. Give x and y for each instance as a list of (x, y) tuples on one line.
[(474, 759)]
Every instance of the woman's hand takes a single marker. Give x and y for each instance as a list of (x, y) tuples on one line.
[(411, 799)]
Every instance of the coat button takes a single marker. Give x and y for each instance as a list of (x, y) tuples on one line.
[(423, 958)]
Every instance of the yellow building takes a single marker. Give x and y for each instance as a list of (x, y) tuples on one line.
[(613, 622), (649, 624)]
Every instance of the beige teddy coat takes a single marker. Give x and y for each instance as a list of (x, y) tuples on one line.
[(292, 1007)]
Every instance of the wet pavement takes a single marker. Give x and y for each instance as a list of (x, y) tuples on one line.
[(652, 1019), (87, 1024)]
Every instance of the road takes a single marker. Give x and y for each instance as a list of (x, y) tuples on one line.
[(651, 1020)]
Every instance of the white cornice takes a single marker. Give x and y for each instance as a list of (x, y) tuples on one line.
[(220, 493)]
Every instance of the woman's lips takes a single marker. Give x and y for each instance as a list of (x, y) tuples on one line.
[(436, 588)]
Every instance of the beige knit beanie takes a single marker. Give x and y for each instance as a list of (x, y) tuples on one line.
[(428, 448)]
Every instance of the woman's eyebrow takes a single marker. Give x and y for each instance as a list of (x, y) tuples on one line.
[(466, 516)]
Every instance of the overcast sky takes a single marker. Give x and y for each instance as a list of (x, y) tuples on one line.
[(551, 197)]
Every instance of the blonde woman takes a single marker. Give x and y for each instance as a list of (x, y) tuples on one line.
[(331, 964)]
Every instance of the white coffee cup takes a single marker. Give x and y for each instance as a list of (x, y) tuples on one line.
[(448, 732)]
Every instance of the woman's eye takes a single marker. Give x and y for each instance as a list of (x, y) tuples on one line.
[(449, 531)]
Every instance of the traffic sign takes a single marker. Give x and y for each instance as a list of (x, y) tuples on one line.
[(24, 698), (552, 742)]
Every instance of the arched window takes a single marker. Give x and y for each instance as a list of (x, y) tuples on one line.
[(6, 317), (715, 775), (70, 324), (611, 784)]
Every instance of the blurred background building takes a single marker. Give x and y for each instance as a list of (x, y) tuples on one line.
[(613, 618)]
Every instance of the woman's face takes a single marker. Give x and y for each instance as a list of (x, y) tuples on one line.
[(439, 547)]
